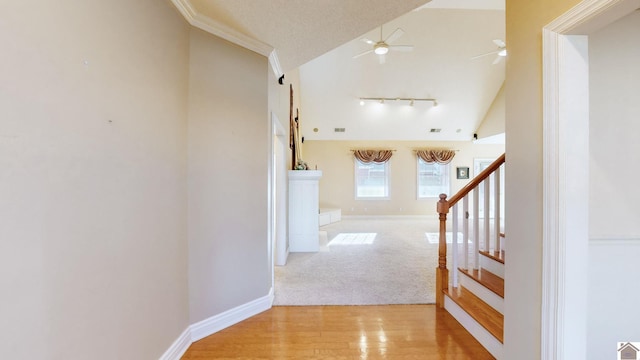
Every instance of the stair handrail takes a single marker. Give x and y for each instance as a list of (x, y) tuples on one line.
[(443, 206), (476, 180)]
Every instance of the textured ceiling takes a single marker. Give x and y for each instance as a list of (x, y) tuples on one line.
[(302, 30)]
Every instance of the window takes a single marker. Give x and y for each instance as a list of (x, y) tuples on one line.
[(433, 179), (372, 180)]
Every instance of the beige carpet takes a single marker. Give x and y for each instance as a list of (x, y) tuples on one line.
[(363, 262)]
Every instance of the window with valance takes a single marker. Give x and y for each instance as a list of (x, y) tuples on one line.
[(372, 173), (376, 156), (433, 172), (436, 156)]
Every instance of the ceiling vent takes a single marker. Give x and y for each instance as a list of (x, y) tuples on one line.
[(434, 130), (338, 130)]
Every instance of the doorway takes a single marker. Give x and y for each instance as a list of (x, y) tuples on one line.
[(566, 175)]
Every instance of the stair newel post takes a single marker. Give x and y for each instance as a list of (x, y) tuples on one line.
[(442, 273)]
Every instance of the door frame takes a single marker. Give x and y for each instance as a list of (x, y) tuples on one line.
[(566, 174)]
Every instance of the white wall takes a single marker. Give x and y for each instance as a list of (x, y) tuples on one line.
[(228, 165), (614, 54), (493, 122), (93, 247)]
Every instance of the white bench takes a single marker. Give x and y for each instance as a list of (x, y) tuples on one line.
[(328, 216)]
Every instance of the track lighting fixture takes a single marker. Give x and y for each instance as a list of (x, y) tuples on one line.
[(410, 100)]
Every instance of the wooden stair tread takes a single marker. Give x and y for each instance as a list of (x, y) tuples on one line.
[(484, 314), (487, 279), (495, 255)]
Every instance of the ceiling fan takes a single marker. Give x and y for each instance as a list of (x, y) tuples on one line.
[(382, 47), (501, 51)]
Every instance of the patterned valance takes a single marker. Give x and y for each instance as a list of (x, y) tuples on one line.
[(437, 156), (375, 156)]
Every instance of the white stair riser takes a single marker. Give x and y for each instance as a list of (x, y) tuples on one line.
[(495, 267), (486, 295), (493, 345)]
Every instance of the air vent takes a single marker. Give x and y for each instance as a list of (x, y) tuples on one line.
[(433, 130), (338, 130)]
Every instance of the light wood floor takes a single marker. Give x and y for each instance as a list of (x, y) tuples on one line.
[(343, 332)]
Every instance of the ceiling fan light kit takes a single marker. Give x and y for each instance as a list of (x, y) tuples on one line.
[(381, 49), (383, 46)]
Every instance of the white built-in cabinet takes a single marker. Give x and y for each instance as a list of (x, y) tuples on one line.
[(303, 210)]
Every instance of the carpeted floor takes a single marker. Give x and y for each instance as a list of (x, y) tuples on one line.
[(363, 262)]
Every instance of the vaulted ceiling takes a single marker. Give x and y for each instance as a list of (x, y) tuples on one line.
[(320, 37)]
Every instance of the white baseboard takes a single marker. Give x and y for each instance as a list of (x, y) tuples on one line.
[(216, 323), (179, 347), (484, 337), (231, 317)]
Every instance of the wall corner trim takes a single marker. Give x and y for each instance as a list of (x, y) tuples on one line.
[(216, 323)]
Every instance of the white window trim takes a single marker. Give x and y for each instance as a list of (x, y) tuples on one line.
[(368, 198), (418, 197)]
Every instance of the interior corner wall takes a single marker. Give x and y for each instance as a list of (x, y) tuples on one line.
[(93, 130), (524, 197), (614, 231), (337, 185), (493, 122), (228, 140)]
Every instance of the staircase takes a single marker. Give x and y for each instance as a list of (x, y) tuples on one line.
[(473, 291)]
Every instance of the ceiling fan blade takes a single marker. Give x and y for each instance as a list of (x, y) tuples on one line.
[(382, 58), (394, 35), (364, 53), (370, 42), (499, 43), (481, 55), (497, 59), (401, 47)]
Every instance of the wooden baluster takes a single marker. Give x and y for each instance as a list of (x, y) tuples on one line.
[(496, 216), (454, 244), (487, 214), (476, 228), (442, 273), (465, 230)]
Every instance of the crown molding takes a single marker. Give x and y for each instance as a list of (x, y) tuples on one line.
[(275, 64), (213, 27)]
